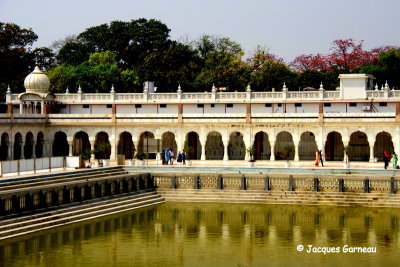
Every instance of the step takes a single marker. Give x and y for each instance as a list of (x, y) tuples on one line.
[(77, 216), (82, 214), (59, 180)]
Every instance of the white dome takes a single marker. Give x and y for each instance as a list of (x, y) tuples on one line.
[(37, 82)]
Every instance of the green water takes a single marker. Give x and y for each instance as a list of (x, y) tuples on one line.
[(180, 234)]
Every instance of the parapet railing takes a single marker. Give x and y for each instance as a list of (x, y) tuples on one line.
[(48, 164), (270, 183), (235, 97)]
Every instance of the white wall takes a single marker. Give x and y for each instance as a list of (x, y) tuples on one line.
[(237, 108), (218, 108), (78, 109), (101, 109)]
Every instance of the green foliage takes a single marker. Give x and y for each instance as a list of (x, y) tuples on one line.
[(272, 75), (387, 68), (141, 155), (16, 58), (251, 150), (312, 78), (287, 151), (99, 58), (98, 78), (222, 64)]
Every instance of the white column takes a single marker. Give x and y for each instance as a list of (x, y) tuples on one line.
[(135, 141), (203, 146), (345, 141), (296, 150), (247, 143), (21, 108), (42, 107), (272, 143), (92, 140), (371, 148), (225, 140)]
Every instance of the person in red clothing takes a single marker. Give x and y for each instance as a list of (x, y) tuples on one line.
[(386, 159)]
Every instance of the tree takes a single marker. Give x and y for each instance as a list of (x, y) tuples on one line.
[(44, 57), (222, 65), (179, 64), (106, 57), (273, 75), (386, 68), (16, 59), (313, 78)]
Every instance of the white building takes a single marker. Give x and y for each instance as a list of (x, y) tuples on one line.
[(218, 125)]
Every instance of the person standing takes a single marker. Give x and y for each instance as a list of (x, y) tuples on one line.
[(183, 158), (395, 159), (320, 157), (316, 158), (179, 160), (386, 159), (166, 152), (171, 156)]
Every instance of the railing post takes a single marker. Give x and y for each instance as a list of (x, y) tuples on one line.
[(173, 182), (18, 167), (366, 185), (266, 184), (392, 186), (341, 185), (197, 182), (243, 185), (316, 184), (291, 183), (220, 182)]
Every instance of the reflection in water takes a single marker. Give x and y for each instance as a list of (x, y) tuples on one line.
[(187, 234)]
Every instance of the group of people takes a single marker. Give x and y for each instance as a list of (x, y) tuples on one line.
[(387, 157), (318, 158), (168, 157)]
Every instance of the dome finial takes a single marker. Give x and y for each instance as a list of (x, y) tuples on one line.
[(112, 89), (37, 82), (67, 91), (79, 89)]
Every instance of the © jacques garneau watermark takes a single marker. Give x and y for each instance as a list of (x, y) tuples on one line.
[(330, 250)]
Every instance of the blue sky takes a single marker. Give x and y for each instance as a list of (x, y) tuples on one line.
[(287, 27)]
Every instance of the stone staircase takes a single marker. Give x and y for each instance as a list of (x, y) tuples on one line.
[(385, 200), (45, 219)]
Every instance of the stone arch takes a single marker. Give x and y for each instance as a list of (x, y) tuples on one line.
[(358, 147), (236, 146), (168, 141), (144, 145), (17, 146), (283, 139), (125, 145), (262, 146), (81, 143), (192, 140), (60, 144), (39, 145), (28, 146), (4, 147), (307, 146), (102, 146), (334, 148), (214, 146), (383, 142)]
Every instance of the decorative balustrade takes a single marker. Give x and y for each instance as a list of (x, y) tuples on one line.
[(248, 97), (255, 182)]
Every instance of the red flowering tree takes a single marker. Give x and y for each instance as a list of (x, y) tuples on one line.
[(347, 56)]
